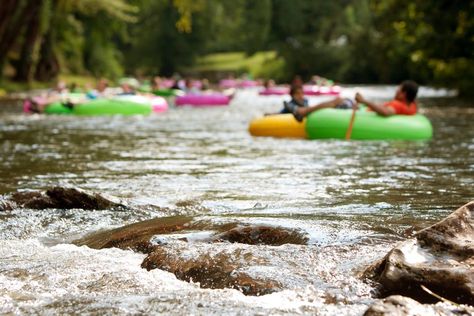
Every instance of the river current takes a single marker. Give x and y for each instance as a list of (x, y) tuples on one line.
[(355, 199)]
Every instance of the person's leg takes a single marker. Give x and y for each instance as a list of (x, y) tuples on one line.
[(346, 104), (301, 112), (324, 105)]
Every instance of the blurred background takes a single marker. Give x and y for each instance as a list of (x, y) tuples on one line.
[(358, 41)]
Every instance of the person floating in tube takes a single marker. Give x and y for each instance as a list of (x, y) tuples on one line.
[(402, 104), (300, 108)]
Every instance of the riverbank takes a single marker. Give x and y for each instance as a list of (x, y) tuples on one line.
[(13, 87), (266, 65)]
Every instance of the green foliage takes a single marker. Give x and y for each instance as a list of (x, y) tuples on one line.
[(73, 35), (117, 9), (367, 41), (431, 43), (70, 44), (102, 57), (158, 46), (255, 25), (186, 8), (313, 45), (262, 64), (100, 26), (378, 41)]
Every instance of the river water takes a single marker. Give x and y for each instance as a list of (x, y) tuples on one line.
[(355, 199)]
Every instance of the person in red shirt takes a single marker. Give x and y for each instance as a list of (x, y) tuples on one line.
[(403, 103)]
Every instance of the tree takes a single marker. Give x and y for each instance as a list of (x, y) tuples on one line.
[(15, 14), (162, 41), (310, 45), (46, 24), (431, 43)]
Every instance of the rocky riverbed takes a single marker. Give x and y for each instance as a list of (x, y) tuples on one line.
[(437, 264), (185, 213)]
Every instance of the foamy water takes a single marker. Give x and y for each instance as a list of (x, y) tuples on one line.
[(355, 200)]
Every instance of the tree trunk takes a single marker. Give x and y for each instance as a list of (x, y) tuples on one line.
[(25, 64), (48, 64), (7, 10), (14, 27)]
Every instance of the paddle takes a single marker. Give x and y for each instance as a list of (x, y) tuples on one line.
[(351, 122)]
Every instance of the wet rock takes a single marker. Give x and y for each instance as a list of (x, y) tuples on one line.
[(440, 257), (135, 236), (24, 199), (263, 235), (397, 305), (63, 198), (6, 205), (214, 272)]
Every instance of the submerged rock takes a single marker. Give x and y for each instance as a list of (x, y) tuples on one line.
[(210, 271), (397, 305), (63, 198), (138, 236), (263, 235), (6, 205), (440, 257), (135, 236)]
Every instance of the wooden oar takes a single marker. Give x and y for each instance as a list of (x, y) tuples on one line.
[(351, 122)]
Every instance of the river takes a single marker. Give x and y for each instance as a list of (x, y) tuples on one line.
[(355, 199)]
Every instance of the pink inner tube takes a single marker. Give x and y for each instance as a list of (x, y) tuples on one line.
[(203, 99), (228, 83), (317, 90), (27, 104), (248, 84), (275, 91), (159, 104)]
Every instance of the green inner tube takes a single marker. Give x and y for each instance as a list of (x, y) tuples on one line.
[(167, 92), (100, 107), (333, 123), (57, 108)]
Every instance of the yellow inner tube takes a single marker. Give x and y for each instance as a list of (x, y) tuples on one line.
[(281, 125)]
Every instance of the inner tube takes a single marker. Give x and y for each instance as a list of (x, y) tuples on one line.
[(275, 91), (158, 104), (118, 105), (314, 90), (33, 104), (167, 92), (202, 100), (278, 125), (248, 84), (333, 124), (228, 83)]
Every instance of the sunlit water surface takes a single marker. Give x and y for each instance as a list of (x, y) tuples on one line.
[(354, 199)]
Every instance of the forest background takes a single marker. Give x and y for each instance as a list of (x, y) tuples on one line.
[(349, 41)]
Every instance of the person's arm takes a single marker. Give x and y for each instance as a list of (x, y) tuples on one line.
[(379, 109)]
